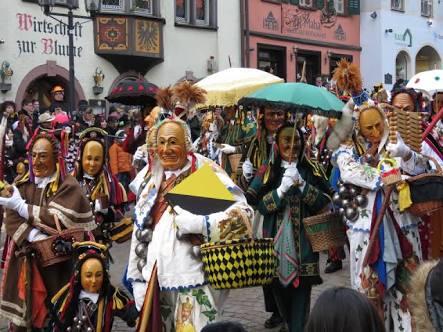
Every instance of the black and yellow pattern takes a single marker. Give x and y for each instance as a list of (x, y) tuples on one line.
[(239, 263)]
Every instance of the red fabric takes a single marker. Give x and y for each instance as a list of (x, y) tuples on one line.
[(373, 255)]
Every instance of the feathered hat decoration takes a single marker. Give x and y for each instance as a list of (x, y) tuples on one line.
[(164, 98), (348, 78), (185, 96)]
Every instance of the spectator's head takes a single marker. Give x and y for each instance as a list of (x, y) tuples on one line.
[(27, 106), (120, 136), (88, 115), (318, 81), (341, 309), (45, 120), (224, 327), (8, 108), (58, 93)]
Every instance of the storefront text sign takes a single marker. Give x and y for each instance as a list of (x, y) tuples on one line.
[(301, 22), (404, 38), (48, 37)]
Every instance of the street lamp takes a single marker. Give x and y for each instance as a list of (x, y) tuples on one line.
[(93, 7)]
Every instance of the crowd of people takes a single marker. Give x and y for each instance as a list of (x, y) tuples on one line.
[(80, 182)]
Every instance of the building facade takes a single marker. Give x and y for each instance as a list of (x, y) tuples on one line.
[(283, 36), (400, 38), (156, 40)]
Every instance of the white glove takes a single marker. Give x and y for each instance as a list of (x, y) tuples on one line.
[(8, 142), (187, 222), (291, 177), (248, 170), (228, 149), (16, 202), (399, 149), (286, 184), (139, 292), (36, 235), (98, 207), (139, 155)]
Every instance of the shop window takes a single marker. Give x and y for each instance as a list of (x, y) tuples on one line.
[(339, 6), (196, 12), (426, 8), (398, 5), (272, 59)]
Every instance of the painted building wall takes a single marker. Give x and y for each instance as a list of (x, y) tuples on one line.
[(32, 39), (410, 33)]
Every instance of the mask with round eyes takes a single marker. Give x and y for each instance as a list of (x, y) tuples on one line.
[(92, 275), (92, 158), (43, 158), (289, 144), (404, 101), (372, 125), (274, 119), (171, 146)]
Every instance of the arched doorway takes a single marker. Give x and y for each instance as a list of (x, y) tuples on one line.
[(427, 59), (402, 66), (39, 81)]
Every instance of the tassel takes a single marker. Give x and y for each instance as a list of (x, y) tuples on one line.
[(404, 196)]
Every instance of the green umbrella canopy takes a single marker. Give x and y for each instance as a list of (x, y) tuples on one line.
[(296, 98)]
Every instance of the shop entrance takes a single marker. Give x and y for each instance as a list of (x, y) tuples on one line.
[(272, 59), (312, 60), (427, 59), (40, 89)]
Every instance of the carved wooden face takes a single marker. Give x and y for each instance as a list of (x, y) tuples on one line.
[(288, 146), (404, 101), (43, 158), (171, 146), (92, 158), (92, 275), (274, 119), (372, 125)]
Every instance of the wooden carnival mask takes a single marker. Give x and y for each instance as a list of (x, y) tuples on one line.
[(208, 119), (92, 275), (43, 158), (274, 119), (372, 125), (289, 144), (171, 146), (92, 158), (404, 101)]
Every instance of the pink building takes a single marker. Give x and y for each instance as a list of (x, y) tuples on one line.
[(283, 35)]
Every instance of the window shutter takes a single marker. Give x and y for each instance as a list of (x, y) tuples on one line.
[(319, 4), (354, 7), (331, 5)]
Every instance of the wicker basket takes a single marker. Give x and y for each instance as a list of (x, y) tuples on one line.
[(392, 176), (234, 264), (48, 250), (325, 231)]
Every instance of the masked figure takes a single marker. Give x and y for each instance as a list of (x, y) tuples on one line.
[(42, 194), (89, 302), (206, 143), (292, 193), (105, 193), (156, 248), (397, 246)]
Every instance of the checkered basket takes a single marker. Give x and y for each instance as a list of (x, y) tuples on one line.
[(239, 263)]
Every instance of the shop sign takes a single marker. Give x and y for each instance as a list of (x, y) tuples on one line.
[(302, 23), (404, 38), (51, 37), (270, 22)]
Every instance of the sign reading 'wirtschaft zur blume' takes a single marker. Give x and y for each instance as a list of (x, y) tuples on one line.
[(52, 36)]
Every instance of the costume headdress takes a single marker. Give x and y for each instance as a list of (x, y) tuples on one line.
[(185, 96), (348, 78)]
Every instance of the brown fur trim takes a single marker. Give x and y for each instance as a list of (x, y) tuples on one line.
[(348, 77), (164, 98), (187, 94), (416, 297)]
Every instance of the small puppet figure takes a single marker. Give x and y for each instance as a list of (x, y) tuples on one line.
[(184, 317), (89, 302)]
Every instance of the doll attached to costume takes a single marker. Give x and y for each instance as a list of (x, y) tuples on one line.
[(89, 302), (106, 195)]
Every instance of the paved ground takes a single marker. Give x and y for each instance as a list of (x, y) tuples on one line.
[(244, 305)]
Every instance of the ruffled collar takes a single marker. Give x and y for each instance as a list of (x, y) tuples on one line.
[(88, 295)]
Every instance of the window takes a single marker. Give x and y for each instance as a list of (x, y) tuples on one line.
[(307, 3), (113, 5), (339, 6), (397, 5), (145, 6), (196, 12), (142, 7), (426, 8)]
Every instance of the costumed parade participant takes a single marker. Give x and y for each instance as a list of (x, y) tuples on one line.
[(106, 194), (44, 200), (292, 193), (89, 302), (384, 239), (164, 268), (206, 143)]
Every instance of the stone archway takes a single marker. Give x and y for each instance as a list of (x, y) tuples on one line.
[(427, 59), (403, 66), (54, 73)]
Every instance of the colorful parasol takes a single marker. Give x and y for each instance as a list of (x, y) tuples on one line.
[(430, 82), (296, 98), (226, 87), (201, 193), (130, 92)]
